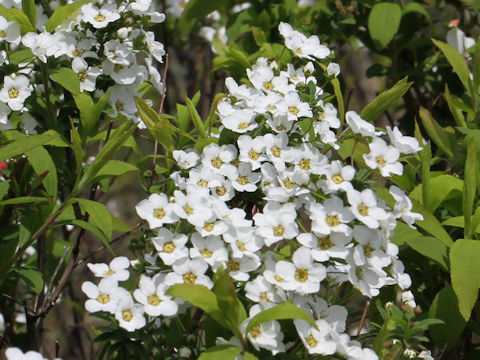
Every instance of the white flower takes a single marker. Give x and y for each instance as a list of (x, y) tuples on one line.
[(103, 297), (192, 207), (170, 248), (156, 210), (251, 150), (408, 299), (42, 45), (302, 46), (210, 248), (360, 126), (100, 18), (365, 208), (326, 247), (151, 294), (403, 207), (186, 159), (240, 121), (9, 31), (426, 354), (457, 39), (246, 179), (218, 159), (14, 353), (277, 222), (261, 291), (188, 271), (384, 158), (117, 269), (130, 315), (338, 178), (87, 75), (333, 69), (316, 340), (405, 144), (330, 217), (15, 91)]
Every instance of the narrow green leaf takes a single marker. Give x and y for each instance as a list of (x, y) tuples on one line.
[(42, 162), (114, 168), (68, 79), (415, 7), (470, 183), (258, 35), (232, 309), (98, 108), (28, 7), (457, 221), (385, 100), (221, 352), (106, 154), (282, 311), (25, 144), (445, 308), (454, 110), (464, 264), (197, 121), (426, 157), (476, 70), (383, 23), (62, 13), (436, 132), (31, 276), (430, 224), (23, 200), (432, 248), (201, 297), (196, 10), (456, 61), (85, 104), (451, 187), (4, 187), (338, 94), (98, 215), (19, 17), (159, 127)]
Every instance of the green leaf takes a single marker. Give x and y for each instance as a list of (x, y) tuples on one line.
[(28, 7), (42, 161), (25, 144), (89, 227), (282, 311), (232, 309), (197, 120), (457, 62), (454, 109), (196, 10), (415, 7), (4, 187), (68, 79), (385, 100), (114, 168), (19, 56), (19, 17), (465, 267), (436, 132), (106, 154), (31, 276), (403, 233), (85, 104), (98, 215), (383, 23), (476, 69), (63, 13), (258, 35), (221, 352), (448, 183), (159, 127), (445, 308), (457, 221), (470, 183), (430, 224), (201, 297), (432, 248), (426, 157), (249, 356), (23, 200)]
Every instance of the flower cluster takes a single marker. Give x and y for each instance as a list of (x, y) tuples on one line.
[(14, 353), (273, 203), (83, 45)]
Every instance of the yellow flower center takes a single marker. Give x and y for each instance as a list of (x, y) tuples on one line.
[(268, 85), (363, 209), (82, 75), (206, 253), (325, 243), (380, 161), (208, 227), (217, 162), (103, 298), (304, 164), (232, 266), (3, 33), (271, 107), (109, 272), (310, 340), (159, 213), (202, 182), (189, 278), (264, 296), (242, 180), (13, 93), (337, 179), (243, 126), (221, 190), (252, 154), (127, 315), (278, 230), (256, 331), (368, 250), (301, 275), (333, 220), (154, 300), (281, 128), (188, 210), (119, 106), (77, 52), (276, 151), (288, 183), (168, 247), (99, 18), (299, 50), (293, 110), (240, 245)]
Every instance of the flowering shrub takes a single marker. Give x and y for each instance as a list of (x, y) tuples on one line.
[(278, 223)]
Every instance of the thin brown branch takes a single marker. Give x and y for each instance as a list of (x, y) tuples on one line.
[(360, 325)]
